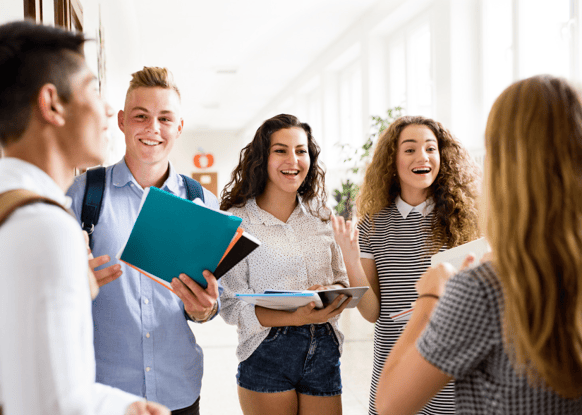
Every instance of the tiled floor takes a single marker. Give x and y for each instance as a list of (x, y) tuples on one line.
[(219, 341)]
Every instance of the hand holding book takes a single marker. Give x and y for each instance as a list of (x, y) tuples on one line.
[(291, 299), (172, 236), (460, 257), (199, 303)]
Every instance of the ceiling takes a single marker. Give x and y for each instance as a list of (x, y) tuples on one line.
[(230, 58)]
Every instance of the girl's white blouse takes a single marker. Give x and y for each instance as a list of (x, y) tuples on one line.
[(292, 256)]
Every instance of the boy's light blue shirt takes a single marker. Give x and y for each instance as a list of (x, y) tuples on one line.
[(143, 344)]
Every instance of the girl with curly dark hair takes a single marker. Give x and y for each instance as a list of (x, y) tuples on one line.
[(249, 179), (288, 360), (418, 198)]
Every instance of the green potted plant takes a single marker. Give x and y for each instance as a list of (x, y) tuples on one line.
[(358, 159)]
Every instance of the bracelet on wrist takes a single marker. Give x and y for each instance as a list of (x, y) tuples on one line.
[(209, 316), (436, 297)]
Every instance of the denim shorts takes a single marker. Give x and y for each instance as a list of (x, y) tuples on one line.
[(304, 358)]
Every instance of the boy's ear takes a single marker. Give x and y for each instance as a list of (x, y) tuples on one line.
[(121, 120), (51, 106)]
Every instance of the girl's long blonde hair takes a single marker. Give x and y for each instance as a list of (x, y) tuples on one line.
[(534, 189), (454, 190)]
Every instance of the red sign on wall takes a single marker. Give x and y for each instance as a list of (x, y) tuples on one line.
[(204, 160)]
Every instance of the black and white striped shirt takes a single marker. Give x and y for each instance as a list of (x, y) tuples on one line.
[(397, 241)]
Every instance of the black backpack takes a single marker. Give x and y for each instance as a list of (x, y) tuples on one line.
[(95, 187)]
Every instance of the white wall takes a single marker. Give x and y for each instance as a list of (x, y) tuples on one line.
[(14, 10), (11, 10), (225, 147)]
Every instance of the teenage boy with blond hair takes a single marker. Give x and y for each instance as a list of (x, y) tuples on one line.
[(52, 120), (143, 343)]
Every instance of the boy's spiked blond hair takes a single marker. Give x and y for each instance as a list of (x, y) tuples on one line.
[(152, 76)]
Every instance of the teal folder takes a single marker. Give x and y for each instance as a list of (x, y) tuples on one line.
[(173, 235)]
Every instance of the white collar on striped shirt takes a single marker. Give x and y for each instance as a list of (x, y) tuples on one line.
[(424, 208)]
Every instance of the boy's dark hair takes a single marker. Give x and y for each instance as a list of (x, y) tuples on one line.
[(31, 56)]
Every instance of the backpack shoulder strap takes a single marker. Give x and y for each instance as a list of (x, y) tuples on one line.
[(92, 200), (193, 188), (13, 199)]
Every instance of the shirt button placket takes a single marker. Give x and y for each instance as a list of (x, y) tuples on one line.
[(147, 318), (290, 233)]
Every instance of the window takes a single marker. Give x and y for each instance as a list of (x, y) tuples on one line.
[(420, 73), (313, 118), (350, 105), (545, 35), (397, 65), (410, 66), (522, 38), (498, 48)]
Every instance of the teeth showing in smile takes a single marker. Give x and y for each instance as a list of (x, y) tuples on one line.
[(150, 143), (421, 170), (290, 172)]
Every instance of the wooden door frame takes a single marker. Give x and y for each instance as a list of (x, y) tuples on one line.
[(69, 14), (33, 10)]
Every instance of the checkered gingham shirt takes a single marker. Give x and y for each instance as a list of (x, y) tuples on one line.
[(464, 339)]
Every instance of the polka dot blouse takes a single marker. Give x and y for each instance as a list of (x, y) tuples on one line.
[(292, 256)]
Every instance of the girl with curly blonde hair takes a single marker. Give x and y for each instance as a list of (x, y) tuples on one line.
[(509, 331), (417, 198)]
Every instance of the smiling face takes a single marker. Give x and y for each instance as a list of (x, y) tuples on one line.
[(418, 162), (288, 162), (86, 114), (151, 123)]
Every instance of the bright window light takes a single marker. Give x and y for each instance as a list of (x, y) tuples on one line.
[(544, 37), (420, 74), (498, 48), (397, 63), (351, 105)]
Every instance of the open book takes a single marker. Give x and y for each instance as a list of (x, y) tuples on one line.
[(291, 300), (455, 256)]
